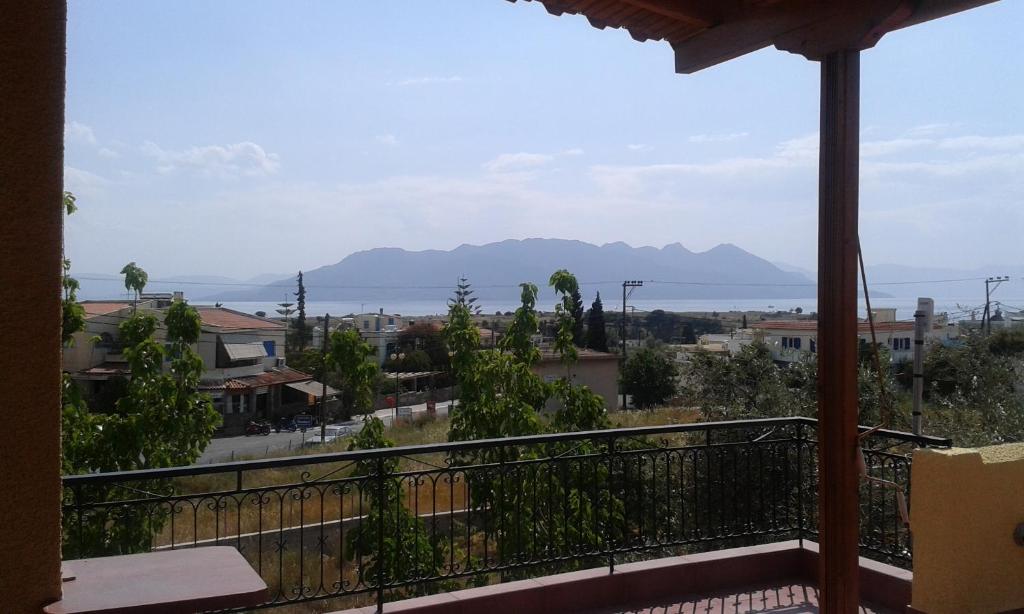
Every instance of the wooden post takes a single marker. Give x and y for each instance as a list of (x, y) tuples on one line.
[(838, 476), (31, 182)]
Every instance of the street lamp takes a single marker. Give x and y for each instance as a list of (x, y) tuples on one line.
[(451, 383), (396, 357)]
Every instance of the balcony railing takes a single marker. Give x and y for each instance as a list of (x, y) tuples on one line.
[(391, 523)]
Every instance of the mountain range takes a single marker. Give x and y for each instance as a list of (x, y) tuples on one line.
[(496, 269)]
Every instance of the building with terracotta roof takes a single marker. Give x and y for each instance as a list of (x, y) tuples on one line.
[(243, 358)]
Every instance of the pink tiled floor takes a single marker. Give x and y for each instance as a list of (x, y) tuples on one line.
[(788, 598)]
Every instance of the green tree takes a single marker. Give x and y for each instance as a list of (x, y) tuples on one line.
[(650, 377), (597, 335), (973, 390), (579, 333), (301, 329), (407, 550), (72, 313), (161, 421), (464, 296), (428, 338), (662, 325), (350, 360), (135, 280), (746, 385)]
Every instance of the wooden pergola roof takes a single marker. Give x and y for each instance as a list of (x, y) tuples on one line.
[(707, 32)]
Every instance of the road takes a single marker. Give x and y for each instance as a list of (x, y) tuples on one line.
[(226, 449)]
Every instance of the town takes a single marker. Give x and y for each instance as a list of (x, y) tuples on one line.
[(584, 306)]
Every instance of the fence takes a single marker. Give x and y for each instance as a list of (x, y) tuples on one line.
[(397, 522)]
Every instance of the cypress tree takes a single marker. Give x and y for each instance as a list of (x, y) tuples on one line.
[(597, 338), (300, 322)]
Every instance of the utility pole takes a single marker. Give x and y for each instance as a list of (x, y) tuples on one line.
[(323, 382), (919, 324), (629, 285), (991, 284)]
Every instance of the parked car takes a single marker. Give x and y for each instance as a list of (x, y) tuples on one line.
[(331, 434)]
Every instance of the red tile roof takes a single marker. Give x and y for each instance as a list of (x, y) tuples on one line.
[(280, 375), (100, 308), (229, 318), (812, 326)]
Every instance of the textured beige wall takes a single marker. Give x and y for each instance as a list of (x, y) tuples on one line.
[(965, 506), (601, 375), (31, 177)]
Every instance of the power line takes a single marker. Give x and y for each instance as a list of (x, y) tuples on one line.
[(217, 284)]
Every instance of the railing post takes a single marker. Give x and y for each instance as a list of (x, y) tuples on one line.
[(381, 507), (608, 537), (800, 482)]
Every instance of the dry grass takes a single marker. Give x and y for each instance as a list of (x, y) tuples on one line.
[(654, 417), (288, 497)]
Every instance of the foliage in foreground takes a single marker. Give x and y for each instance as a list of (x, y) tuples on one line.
[(407, 550)]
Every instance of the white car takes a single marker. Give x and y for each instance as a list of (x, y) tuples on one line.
[(331, 434)]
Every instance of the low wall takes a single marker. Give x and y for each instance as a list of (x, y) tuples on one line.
[(966, 505)]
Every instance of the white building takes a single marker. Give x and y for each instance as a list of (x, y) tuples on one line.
[(790, 340), (381, 331)]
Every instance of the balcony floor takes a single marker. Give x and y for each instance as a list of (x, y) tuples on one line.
[(796, 597), (775, 578)]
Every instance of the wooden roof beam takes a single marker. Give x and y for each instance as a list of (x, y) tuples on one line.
[(811, 29), (691, 12)]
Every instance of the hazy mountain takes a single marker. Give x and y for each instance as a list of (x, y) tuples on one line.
[(496, 269), (792, 268), (107, 286)]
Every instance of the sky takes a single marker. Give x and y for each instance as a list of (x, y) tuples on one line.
[(237, 138)]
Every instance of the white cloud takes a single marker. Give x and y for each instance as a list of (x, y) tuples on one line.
[(1007, 142), (386, 139), (428, 80), (84, 183), (76, 132), (524, 161), (638, 147), (511, 162), (718, 138), (106, 152), (929, 130), (238, 159)]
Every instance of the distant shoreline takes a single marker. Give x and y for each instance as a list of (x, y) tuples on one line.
[(905, 306)]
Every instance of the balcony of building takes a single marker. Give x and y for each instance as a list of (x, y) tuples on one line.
[(617, 520)]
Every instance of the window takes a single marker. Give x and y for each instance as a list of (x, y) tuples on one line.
[(814, 346), (391, 321), (785, 343), (366, 325), (906, 343), (795, 342), (270, 347)]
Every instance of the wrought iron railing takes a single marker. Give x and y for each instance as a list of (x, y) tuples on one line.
[(384, 524)]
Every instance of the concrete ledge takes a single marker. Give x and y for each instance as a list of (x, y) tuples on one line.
[(695, 574)]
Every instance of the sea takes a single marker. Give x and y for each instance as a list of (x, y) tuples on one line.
[(957, 308)]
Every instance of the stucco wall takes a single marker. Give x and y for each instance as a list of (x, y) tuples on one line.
[(965, 506), (31, 180), (601, 375)]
